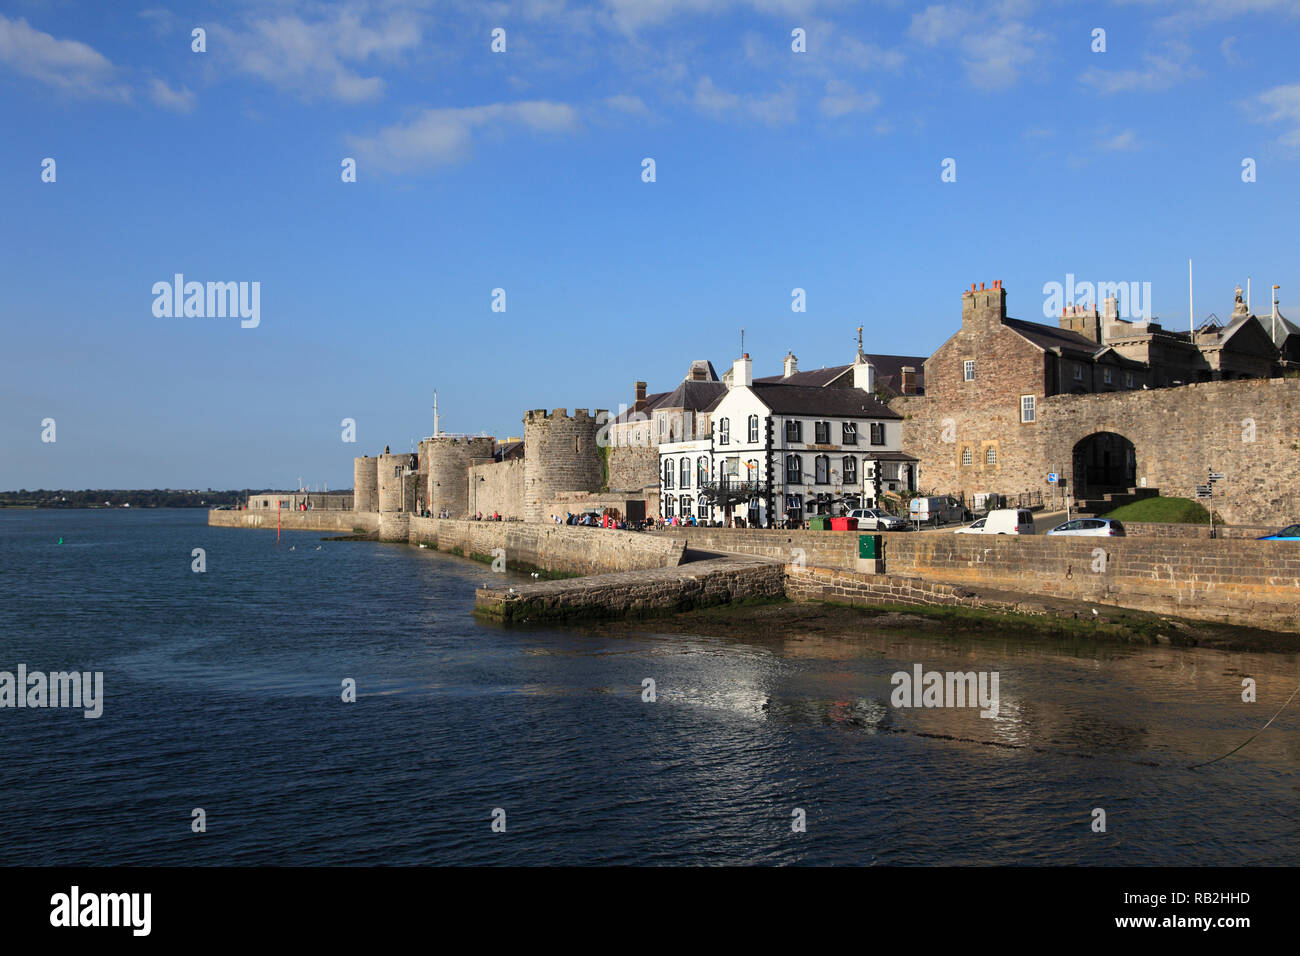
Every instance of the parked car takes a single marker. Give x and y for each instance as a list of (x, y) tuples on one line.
[(1090, 528), (874, 519), (1003, 521), (1289, 533), (936, 511)]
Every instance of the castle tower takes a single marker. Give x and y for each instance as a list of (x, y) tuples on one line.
[(560, 454), (447, 462), (396, 490), (365, 484)]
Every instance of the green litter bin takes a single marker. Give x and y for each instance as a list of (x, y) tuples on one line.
[(871, 547), (819, 523)]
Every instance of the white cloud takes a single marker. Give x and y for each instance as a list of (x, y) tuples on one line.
[(631, 15), (713, 100), (443, 136), (322, 57), (182, 100), (1159, 73), (1280, 105), (774, 109), (70, 65), (1124, 141), (841, 100), (626, 104), (940, 23), (995, 47)]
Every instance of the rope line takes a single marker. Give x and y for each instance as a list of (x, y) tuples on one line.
[(1196, 766)]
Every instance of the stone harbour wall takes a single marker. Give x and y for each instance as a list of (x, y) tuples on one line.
[(346, 522), (635, 593), (562, 548), (1226, 579)]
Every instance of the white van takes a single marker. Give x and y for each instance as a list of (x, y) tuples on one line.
[(1009, 521), (1002, 521)]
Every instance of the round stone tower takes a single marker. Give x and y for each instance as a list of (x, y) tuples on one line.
[(560, 454), (448, 460), (393, 484), (365, 484)]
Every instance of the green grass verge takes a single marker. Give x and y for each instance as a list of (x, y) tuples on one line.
[(1164, 510)]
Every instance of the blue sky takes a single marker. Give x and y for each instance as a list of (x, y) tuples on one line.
[(522, 170)]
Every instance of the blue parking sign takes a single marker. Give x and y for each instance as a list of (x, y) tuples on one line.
[(1051, 477)]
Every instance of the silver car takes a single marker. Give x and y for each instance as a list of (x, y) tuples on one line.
[(1090, 528), (874, 519)]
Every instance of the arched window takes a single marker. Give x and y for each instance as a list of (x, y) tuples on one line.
[(685, 473), (991, 455), (966, 457), (751, 471), (753, 429), (724, 431), (701, 471), (822, 469), (850, 470), (668, 472), (793, 469), (668, 506), (684, 506)]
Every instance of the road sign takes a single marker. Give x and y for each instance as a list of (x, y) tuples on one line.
[(1051, 477), (1203, 491), (1216, 476)]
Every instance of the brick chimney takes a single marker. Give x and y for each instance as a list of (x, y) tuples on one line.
[(984, 308), (1082, 319), (908, 383), (791, 365), (640, 396)]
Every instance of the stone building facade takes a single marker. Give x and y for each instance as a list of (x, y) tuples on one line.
[(1001, 409)]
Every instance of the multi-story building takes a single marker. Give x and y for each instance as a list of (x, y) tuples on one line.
[(976, 428), (769, 451)]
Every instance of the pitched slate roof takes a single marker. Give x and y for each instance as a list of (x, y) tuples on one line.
[(889, 372), (1285, 328), (816, 378), (813, 400), (1052, 338), (694, 395), (651, 401)]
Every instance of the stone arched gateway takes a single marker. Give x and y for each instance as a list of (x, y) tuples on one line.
[(1102, 463)]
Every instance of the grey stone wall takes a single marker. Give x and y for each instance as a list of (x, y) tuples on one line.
[(365, 484), (501, 489), (392, 481), (449, 462), (560, 454)]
